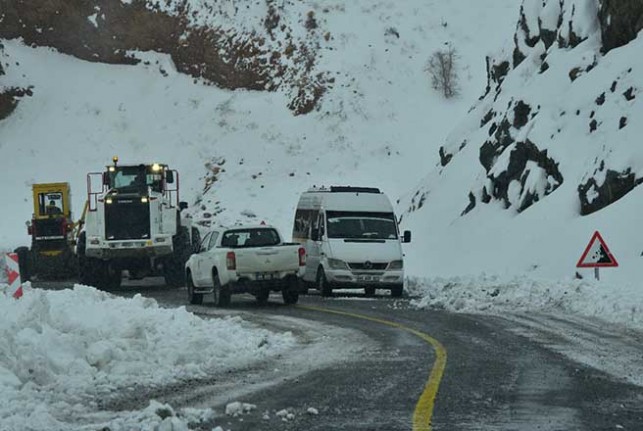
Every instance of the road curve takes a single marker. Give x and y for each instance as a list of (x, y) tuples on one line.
[(386, 361)]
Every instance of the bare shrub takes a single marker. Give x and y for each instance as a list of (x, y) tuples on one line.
[(442, 69)]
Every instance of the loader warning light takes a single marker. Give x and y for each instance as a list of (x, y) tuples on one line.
[(156, 167), (115, 160)]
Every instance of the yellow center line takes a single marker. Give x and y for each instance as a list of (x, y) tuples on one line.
[(424, 407)]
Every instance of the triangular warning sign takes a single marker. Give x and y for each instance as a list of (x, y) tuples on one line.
[(597, 255)]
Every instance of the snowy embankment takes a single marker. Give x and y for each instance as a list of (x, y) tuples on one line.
[(547, 157), (500, 296), (62, 352)]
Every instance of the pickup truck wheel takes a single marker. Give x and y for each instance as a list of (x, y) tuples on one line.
[(369, 291), (290, 296), (224, 297), (396, 291), (193, 298), (322, 283), (262, 296), (221, 295)]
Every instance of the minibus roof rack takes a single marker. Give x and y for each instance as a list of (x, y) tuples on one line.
[(349, 189)]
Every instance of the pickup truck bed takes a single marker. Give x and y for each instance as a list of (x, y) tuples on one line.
[(245, 259)]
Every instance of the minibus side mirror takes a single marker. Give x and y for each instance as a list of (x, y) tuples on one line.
[(314, 234), (407, 236)]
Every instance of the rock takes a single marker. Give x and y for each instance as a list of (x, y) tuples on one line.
[(621, 21), (517, 170), (594, 196), (521, 114), (445, 157)]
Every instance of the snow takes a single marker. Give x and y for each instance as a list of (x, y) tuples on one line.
[(238, 408), (62, 351), (380, 125)]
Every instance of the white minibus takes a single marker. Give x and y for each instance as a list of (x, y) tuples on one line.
[(352, 240)]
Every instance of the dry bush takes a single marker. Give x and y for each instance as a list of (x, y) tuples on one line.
[(442, 69)]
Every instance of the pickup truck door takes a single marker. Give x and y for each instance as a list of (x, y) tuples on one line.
[(197, 270), (210, 259)]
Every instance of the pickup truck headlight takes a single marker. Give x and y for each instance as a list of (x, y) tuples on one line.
[(337, 264), (395, 265)]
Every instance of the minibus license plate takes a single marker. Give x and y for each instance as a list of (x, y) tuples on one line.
[(368, 278)]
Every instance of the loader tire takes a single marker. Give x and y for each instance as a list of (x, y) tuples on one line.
[(174, 265), (24, 263)]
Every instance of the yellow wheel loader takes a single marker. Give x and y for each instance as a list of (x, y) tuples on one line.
[(52, 232)]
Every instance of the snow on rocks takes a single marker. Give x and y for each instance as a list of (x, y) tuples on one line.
[(286, 414), (62, 350), (312, 411), (237, 408)]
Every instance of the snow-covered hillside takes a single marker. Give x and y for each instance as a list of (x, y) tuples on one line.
[(547, 157), (379, 123)]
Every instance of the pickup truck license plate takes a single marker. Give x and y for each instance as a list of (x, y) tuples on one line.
[(368, 278), (265, 275)]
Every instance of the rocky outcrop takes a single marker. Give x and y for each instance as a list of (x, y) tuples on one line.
[(105, 30), (9, 99), (520, 143), (605, 188), (621, 21)]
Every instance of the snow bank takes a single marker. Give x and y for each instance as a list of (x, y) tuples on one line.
[(62, 351), (501, 295)]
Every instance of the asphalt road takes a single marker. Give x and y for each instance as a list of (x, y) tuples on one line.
[(496, 378)]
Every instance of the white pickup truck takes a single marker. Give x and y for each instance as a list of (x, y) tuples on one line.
[(245, 259)]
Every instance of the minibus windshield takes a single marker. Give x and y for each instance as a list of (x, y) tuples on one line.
[(361, 225)]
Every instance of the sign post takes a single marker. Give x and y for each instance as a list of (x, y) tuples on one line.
[(597, 255)]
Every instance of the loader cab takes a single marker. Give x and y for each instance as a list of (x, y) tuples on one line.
[(138, 179), (51, 200), (52, 213)]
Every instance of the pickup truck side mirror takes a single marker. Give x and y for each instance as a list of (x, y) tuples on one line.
[(407, 236)]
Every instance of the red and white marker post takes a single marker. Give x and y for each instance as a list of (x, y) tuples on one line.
[(13, 274)]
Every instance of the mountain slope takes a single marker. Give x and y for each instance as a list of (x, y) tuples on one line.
[(378, 124), (549, 155)]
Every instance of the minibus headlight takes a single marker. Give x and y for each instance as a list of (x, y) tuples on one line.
[(396, 264), (337, 264)]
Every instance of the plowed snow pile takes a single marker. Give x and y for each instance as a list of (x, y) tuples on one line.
[(62, 352)]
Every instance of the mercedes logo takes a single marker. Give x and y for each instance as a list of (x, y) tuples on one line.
[(368, 264)]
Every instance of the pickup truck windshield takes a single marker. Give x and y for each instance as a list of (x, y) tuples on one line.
[(257, 237), (361, 225)]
